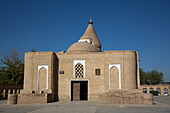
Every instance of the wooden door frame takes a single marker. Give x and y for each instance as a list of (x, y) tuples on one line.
[(88, 90)]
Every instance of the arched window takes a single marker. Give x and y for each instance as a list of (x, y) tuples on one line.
[(165, 91), (151, 89), (79, 70), (159, 91), (144, 90)]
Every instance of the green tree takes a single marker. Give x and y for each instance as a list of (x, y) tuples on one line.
[(152, 77), (12, 68), (143, 78)]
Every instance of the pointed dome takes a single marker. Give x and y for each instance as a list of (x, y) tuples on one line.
[(91, 34)]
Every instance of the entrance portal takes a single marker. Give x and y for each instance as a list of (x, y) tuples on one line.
[(79, 90)]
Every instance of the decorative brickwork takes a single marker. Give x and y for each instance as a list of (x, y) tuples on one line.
[(162, 89)]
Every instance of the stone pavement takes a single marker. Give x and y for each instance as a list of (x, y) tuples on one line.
[(162, 105)]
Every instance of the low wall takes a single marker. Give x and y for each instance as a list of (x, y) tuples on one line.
[(6, 89), (123, 97), (34, 98), (128, 97), (147, 89)]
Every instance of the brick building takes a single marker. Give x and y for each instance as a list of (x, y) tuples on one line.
[(83, 72)]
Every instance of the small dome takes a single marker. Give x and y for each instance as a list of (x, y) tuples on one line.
[(81, 47)]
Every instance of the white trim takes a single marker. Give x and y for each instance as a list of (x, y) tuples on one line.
[(80, 80), (39, 67), (118, 67), (81, 62), (87, 40)]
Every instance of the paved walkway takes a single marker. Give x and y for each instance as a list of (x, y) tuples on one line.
[(162, 105)]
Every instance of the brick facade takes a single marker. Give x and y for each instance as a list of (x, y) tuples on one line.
[(49, 73)]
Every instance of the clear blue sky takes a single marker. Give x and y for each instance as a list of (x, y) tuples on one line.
[(53, 25)]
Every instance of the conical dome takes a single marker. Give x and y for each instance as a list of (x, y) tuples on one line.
[(91, 34), (89, 42)]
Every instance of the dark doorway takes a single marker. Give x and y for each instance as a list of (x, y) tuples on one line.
[(79, 90)]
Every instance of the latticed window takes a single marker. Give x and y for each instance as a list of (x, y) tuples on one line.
[(79, 70)]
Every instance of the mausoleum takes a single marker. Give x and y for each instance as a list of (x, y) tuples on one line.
[(83, 72)]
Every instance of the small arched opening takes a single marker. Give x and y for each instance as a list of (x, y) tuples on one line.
[(150, 90), (145, 90), (165, 91), (159, 91)]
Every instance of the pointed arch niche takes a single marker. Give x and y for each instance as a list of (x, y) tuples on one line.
[(42, 77), (81, 62), (119, 78)]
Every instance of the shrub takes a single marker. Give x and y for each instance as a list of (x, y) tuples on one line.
[(155, 93)]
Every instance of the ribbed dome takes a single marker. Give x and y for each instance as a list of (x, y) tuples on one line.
[(81, 47)]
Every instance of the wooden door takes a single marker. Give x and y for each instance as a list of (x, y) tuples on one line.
[(76, 91)]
